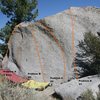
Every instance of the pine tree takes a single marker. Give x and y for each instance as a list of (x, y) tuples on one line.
[(17, 11), (88, 56)]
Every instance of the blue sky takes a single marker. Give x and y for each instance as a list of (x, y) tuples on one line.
[(50, 7)]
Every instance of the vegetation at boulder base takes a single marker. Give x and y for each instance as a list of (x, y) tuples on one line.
[(17, 11), (88, 95)]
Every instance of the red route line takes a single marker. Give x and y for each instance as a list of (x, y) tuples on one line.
[(38, 53), (73, 43), (63, 56), (47, 47)]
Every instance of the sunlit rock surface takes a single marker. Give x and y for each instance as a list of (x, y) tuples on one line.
[(44, 50)]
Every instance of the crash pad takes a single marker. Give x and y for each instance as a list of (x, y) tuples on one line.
[(35, 84), (12, 76)]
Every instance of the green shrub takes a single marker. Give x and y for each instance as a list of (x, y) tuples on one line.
[(98, 95), (88, 95)]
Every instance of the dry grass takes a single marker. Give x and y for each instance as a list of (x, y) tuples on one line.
[(12, 91)]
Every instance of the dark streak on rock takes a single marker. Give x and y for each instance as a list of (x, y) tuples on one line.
[(14, 60), (20, 31), (47, 30)]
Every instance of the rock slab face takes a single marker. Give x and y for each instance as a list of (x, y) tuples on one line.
[(44, 50)]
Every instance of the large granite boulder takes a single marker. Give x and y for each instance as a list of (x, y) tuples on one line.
[(75, 88), (44, 50)]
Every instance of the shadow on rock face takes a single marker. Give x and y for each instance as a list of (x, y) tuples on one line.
[(57, 96), (1, 58)]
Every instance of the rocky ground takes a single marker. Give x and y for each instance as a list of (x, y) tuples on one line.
[(67, 91)]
